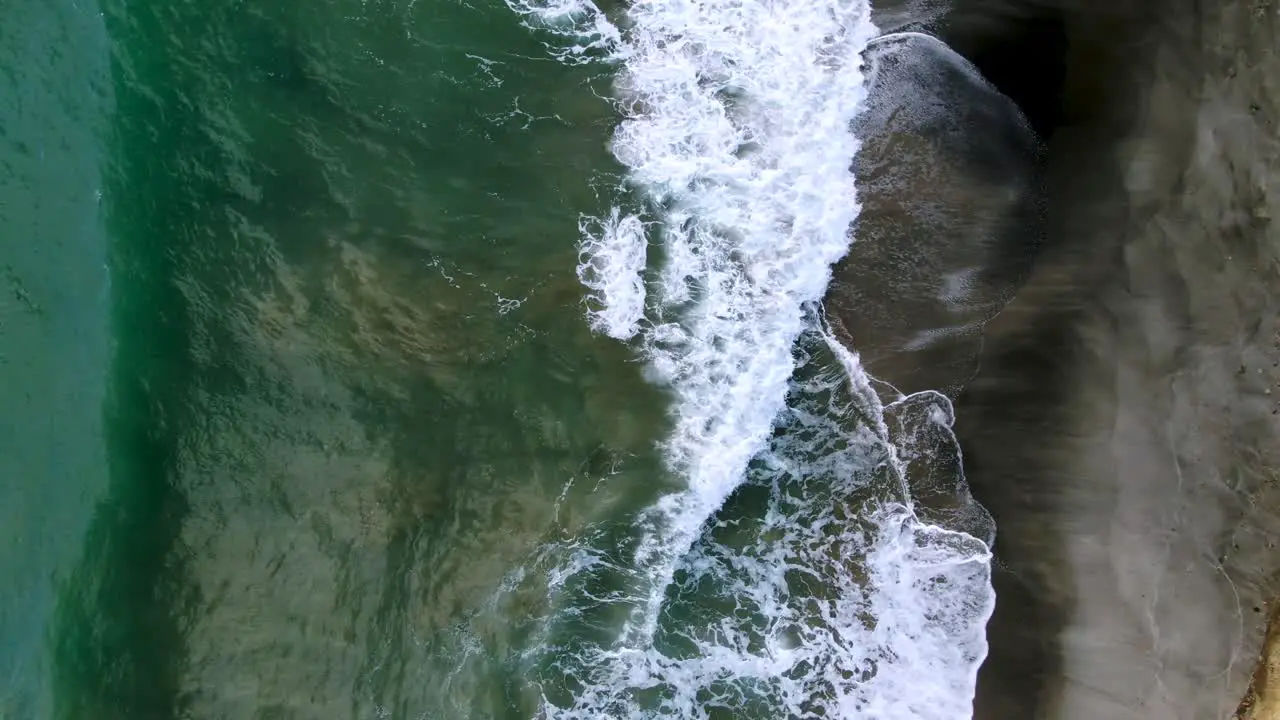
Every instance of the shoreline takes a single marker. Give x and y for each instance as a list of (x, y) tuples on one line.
[(1122, 425)]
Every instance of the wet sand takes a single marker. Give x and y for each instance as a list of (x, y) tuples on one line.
[(1123, 425)]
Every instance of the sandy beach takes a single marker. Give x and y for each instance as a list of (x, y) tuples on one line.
[(1123, 425)]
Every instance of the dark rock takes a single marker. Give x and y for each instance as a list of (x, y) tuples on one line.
[(948, 177), (1131, 469)]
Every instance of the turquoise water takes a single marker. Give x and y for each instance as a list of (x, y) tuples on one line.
[(54, 347), (303, 413)]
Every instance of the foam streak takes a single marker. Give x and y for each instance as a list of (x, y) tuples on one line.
[(736, 137)]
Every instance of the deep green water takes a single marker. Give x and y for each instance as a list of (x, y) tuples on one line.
[(349, 386)]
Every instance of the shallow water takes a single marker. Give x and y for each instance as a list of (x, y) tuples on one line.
[(348, 434)]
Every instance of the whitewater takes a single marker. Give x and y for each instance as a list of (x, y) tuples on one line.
[(837, 600)]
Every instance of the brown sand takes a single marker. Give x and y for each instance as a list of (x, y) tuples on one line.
[(1263, 699), (1123, 428)]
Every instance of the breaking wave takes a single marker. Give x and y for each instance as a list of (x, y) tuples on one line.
[(791, 576)]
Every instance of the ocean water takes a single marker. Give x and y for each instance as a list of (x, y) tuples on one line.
[(54, 344), (410, 359)]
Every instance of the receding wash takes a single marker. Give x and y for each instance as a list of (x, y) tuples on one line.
[(735, 133), (443, 359)]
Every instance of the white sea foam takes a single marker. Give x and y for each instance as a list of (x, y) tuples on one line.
[(737, 131), (612, 261), (736, 134)]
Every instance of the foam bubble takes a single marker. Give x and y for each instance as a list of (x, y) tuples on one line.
[(819, 592), (612, 259), (736, 136), (582, 32)]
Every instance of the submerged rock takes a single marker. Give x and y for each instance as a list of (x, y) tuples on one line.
[(951, 210), (1123, 427)]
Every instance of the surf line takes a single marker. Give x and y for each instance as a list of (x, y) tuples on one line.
[(735, 135)]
